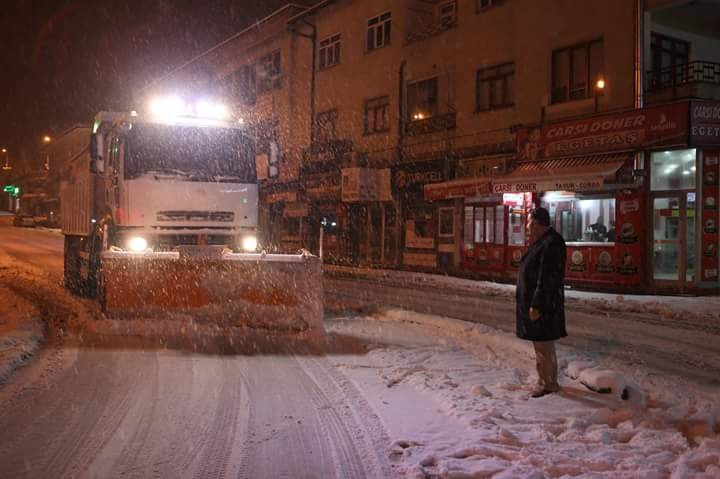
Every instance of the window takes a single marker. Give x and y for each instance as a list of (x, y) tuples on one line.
[(495, 87), (330, 51), (673, 170), (485, 4), (268, 72), (377, 115), (267, 148), (575, 70), (582, 218), (378, 32), (325, 123), (516, 226), (486, 224), (422, 99), (242, 85), (446, 222), (667, 55), (447, 13)]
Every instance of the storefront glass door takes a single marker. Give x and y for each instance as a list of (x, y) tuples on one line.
[(674, 238)]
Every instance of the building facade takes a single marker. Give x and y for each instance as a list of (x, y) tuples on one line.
[(417, 134)]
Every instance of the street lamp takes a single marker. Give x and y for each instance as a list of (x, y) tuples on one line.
[(6, 166), (46, 140), (599, 88)]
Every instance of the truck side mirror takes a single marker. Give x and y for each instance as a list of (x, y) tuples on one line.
[(97, 165)]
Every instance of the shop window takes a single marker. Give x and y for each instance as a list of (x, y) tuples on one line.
[(516, 226), (378, 31), (575, 70), (446, 222), (485, 224), (673, 170), (468, 225), (422, 99), (580, 218)]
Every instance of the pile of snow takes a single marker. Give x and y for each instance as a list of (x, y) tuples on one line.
[(21, 332)]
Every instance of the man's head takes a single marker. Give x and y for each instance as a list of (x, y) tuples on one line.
[(538, 223)]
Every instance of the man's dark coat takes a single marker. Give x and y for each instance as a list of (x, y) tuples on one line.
[(540, 285)]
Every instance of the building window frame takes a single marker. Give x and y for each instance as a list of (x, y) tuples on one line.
[(325, 126), (585, 64), (678, 57), (269, 71), (329, 52), (377, 115), (489, 81), (423, 99), (379, 31), (447, 13), (484, 5)]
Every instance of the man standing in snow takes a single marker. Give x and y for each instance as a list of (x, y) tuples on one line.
[(540, 308)]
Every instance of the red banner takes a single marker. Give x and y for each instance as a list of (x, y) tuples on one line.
[(654, 127), (629, 237), (709, 243)]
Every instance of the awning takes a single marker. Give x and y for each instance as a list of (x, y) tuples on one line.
[(567, 174), (462, 188), (33, 195)]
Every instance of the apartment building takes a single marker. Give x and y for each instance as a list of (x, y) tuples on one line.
[(417, 133)]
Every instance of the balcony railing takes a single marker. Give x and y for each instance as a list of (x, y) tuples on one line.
[(684, 74), (433, 124)]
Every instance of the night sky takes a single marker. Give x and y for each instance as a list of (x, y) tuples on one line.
[(64, 60)]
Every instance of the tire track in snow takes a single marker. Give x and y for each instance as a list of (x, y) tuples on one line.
[(356, 421)]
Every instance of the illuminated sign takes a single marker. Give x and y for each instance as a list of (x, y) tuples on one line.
[(12, 189)]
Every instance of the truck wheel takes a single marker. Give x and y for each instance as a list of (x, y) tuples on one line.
[(72, 265), (100, 290)]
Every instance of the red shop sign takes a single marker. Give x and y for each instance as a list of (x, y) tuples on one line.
[(705, 123), (647, 128)]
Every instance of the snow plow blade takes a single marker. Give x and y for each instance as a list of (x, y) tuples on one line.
[(275, 292)]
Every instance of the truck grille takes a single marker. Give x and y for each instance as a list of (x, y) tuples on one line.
[(225, 216)]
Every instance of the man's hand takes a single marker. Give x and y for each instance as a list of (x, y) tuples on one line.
[(534, 314)]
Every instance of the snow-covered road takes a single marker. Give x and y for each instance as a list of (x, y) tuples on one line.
[(688, 347), (385, 394)]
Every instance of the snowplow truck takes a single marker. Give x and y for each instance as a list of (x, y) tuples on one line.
[(160, 218)]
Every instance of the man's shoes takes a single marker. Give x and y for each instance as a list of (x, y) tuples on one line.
[(542, 391)]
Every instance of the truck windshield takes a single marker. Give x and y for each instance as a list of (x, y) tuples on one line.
[(190, 153)]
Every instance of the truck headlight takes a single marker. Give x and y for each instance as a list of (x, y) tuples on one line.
[(249, 243), (137, 244)]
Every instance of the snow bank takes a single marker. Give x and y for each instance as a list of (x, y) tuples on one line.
[(704, 308)]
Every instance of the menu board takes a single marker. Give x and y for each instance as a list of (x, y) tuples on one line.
[(711, 158)]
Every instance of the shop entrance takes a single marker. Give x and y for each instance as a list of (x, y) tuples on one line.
[(673, 240)]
